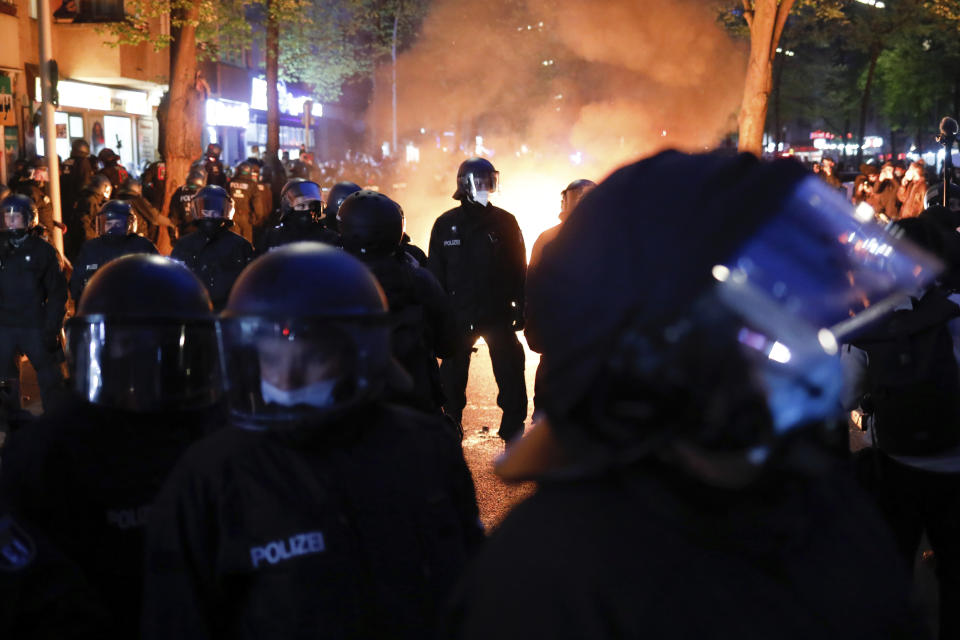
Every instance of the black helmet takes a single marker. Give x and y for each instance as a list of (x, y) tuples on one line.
[(371, 224), (300, 197), (475, 175), (107, 157), (131, 186), (116, 218), (101, 184), (338, 193), (196, 179), (580, 185), (144, 338), (305, 333), (244, 169), (79, 148), (212, 204), (18, 215), (214, 150)]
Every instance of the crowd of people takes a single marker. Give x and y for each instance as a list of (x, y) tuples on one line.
[(260, 436)]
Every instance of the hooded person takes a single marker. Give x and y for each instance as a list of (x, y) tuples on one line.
[(319, 509), (686, 476)]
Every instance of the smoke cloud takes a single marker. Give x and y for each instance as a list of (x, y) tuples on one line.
[(558, 90)]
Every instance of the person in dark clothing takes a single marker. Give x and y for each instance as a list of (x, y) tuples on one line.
[(112, 168), (34, 186), (267, 218), (884, 198), (150, 222), (33, 299), (686, 475), (371, 228), (145, 383), (81, 219), (320, 510), (477, 254), (76, 172), (42, 594), (300, 205), (335, 197), (213, 166), (828, 173), (117, 227), (413, 250), (180, 202), (214, 252), (154, 181), (247, 194)]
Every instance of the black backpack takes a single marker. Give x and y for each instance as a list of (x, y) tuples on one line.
[(913, 381)]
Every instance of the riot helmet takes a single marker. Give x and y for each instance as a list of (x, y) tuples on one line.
[(476, 180), (101, 184), (18, 215), (212, 207), (571, 196), (196, 179), (244, 170), (302, 199), (306, 335), (108, 157), (739, 346), (338, 193), (116, 219), (144, 338), (79, 148), (213, 151), (131, 186), (371, 224)]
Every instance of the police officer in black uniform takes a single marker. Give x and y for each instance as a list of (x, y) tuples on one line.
[(180, 200), (33, 298), (335, 197), (214, 252), (81, 218), (144, 383), (76, 171), (477, 254), (112, 168), (319, 510), (154, 181), (687, 476), (213, 166), (150, 222), (33, 184), (371, 228), (300, 207), (247, 194), (117, 236)]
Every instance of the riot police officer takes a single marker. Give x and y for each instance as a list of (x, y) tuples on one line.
[(150, 222), (371, 228), (213, 166), (76, 171), (688, 397), (81, 219), (213, 251), (300, 207), (33, 298), (144, 383), (116, 236), (296, 525), (335, 197), (155, 183), (181, 198), (477, 254), (247, 194), (33, 184), (112, 168)]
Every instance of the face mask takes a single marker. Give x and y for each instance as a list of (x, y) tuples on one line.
[(482, 198), (318, 394)]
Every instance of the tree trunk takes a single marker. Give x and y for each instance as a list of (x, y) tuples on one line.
[(393, 55), (766, 20), (273, 72), (777, 77), (865, 104), (183, 120)]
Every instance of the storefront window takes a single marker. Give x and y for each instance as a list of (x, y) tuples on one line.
[(63, 140), (118, 135)]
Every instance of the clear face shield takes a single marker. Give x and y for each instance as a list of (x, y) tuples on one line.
[(13, 221), (807, 281), (479, 186), (142, 366), (283, 371), (116, 225)]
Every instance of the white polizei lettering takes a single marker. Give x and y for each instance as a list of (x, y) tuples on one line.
[(451, 243), (275, 551)]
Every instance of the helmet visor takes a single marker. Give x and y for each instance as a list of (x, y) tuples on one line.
[(811, 278), (13, 220), (116, 224), (212, 207), (281, 371), (144, 366), (477, 182)]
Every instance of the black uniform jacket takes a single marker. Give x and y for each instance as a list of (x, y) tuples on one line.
[(216, 258), (99, 251), (33, 287)]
